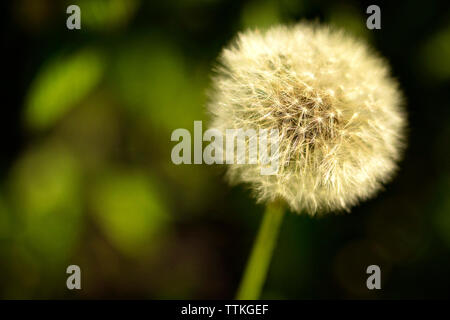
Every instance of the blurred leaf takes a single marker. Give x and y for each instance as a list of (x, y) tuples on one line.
[(129, 209), (45, 186), (434, 54), (261, 14), (156, 85), (106, 14), (350, 19), (60, 85)]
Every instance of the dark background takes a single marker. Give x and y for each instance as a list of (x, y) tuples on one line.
[(86, 176)]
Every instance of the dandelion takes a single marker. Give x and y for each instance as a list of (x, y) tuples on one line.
[(338, 112)]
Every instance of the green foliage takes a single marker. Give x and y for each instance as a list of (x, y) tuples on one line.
[(90, 181), (261, 14), (45, 188), (129, 209), (350, 19), (106, 15), (435, 53), (154, 82), (60, 85)]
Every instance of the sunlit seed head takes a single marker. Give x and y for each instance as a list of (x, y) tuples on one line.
[(337, 109)]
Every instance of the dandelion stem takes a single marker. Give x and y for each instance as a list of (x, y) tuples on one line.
[(259, 261)]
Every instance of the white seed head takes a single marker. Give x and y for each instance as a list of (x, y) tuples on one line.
[(338, 112)]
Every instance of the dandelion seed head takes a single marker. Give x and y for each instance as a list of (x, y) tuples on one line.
[(338, 112)]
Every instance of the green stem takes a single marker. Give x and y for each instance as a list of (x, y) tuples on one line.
[(259, 261)]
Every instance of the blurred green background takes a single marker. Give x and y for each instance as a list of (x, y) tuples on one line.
[(86, 175)]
